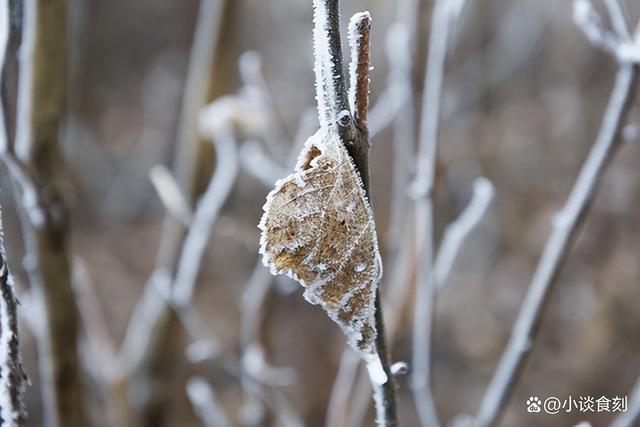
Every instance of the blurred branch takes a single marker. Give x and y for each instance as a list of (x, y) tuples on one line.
[(257, 373), (590, 22), (205, 403), (618, 19), (457, 232), (12, 378), (402, 97), (257, 162), (444, 14), (35, 164), (566, 225), (152, 325), (258, 92), (171, 195), (101, 359), (341, 391), (206, 214)]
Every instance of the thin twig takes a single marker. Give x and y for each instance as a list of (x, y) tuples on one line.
[(35, 164), (256, 89), (205, 216), (457, 232), (425, 181), (590, 22), (618, 19), (152, 324), (12, 378), (360, 44), (339, 399), (566, 225), (170, 194), (205, 403), (334, 113), (102, 360), (402, 97), (331, 89)]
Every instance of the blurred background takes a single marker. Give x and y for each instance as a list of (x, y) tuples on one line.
[(523, 97)]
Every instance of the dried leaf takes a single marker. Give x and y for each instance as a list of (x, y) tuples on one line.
[(318, 228)]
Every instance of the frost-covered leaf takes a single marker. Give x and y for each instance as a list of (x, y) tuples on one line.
[(318, 228)]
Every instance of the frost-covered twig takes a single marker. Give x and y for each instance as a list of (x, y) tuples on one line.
[(170, 194), (205, 403), (256, 372), (153, 323), (331, 89), (402, 97), (12, 378), (359, 41), (100, 357), (456, 233), (441, 20), (257, 162), (566, 225), (206, 214), (179, 291), (620, 44), (590, 22), (257, 91), (334, 113), (34, 162), (618, 19), (631, 417), (339, 399)]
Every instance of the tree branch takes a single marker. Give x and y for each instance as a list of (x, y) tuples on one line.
[(334, 113), (441, 21), (360, 44), (205, 403), (153, 324), (12, 378), (456, 233), (34, 162), (566, 225)]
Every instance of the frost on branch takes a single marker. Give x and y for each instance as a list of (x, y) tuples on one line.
[(318, 228), (11, 375), (359, 42), (327, 57)]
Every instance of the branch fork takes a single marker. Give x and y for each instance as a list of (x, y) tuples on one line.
[(345, 112)]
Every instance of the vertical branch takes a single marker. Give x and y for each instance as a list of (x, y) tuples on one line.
[(566, 225), (153, 324), (12, 379), (331, 92), (359, 37), (334, 110), (205, 216), (204, 401), (360, 44), (402, 96), (425, 180), (457, 232), (35, 166)]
